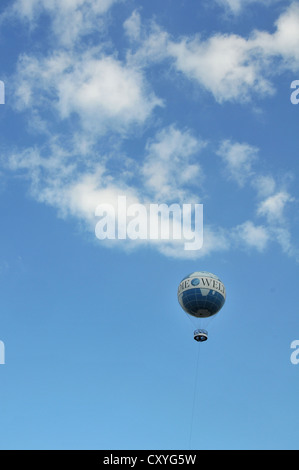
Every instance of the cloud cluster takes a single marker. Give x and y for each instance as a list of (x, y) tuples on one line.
[(102, 100), (172, 165), (238, 159), (272, 200), (101, 91), (229, 66), (237, 6), (70, 19)]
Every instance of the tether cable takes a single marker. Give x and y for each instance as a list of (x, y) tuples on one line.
[(194, 397)]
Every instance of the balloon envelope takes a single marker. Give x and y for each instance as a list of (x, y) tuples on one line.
[(201, 294)]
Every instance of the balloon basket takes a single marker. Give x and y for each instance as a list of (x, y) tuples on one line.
[(200, 335)]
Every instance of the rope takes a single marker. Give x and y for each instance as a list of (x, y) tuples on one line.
[(194, 396)]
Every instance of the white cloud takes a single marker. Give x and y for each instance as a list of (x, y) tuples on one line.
[(70, 19), (273, 207), (283, 43), (104, 91), (68, 181), (101, 90), (225, 65), (132, 26), (237, 6), (233, 5), (215, 240), (236, 68), (171, 165), (149, 44), (283, 237), (238, 159), (265, 185), (253, 236)]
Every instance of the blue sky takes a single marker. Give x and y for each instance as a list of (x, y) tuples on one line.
[(163, 102)]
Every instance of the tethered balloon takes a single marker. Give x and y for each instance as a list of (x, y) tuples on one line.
[(201, 294)]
